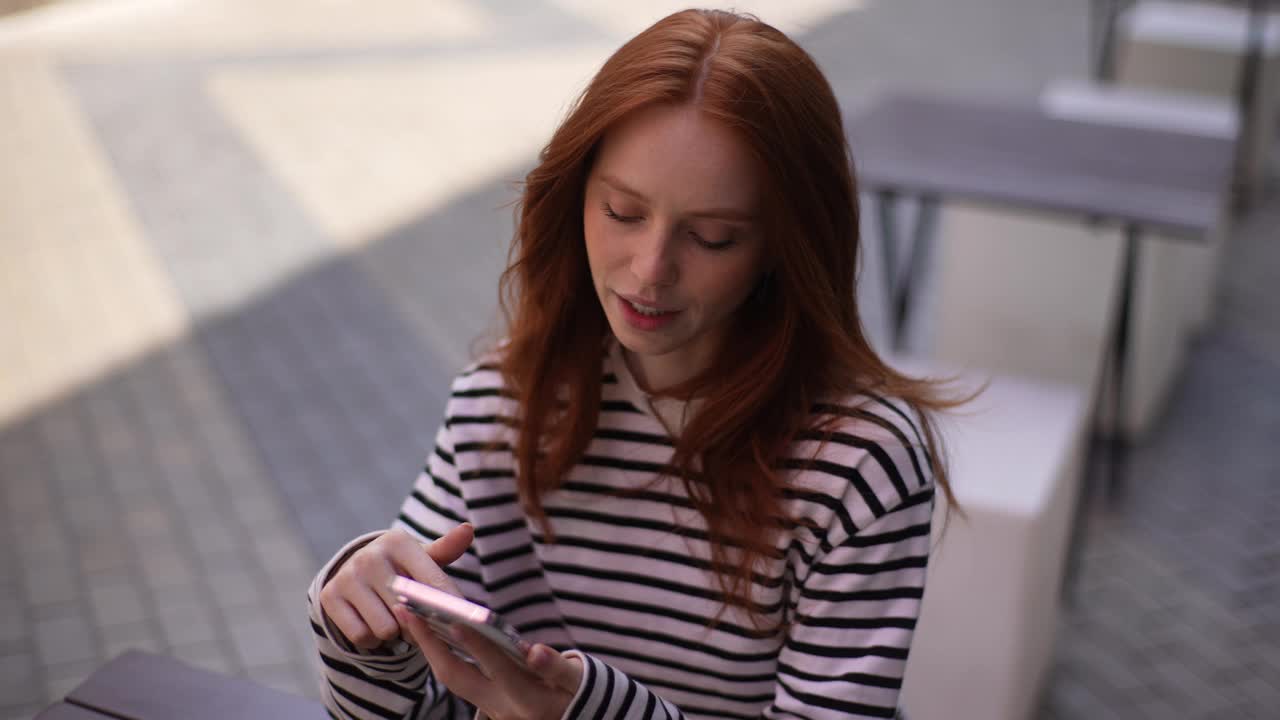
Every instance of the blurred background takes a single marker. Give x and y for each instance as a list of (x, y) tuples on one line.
[(245, 245)]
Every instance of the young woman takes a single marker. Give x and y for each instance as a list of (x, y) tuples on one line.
[(684, 476)]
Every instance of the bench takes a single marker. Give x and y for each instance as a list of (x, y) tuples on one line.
[(984, 641), (142, 686), (1206, 48)]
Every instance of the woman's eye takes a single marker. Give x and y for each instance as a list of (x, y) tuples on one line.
[(721, 245), (608, 211)]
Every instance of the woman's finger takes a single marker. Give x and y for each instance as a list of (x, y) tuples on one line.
[(452, 544), (556, 670), (375, 613), (461, 677), (420, 562), (348, 622), (495, 661)]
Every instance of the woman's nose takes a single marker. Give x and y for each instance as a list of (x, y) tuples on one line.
[(653, 261)]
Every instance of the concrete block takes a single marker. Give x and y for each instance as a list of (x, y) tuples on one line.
[(1033, 295), (985, 637)]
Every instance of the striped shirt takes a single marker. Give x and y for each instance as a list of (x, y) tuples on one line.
[(627, 584)]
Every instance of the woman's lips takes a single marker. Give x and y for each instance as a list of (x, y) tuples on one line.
[(644, 304), (644, 321)]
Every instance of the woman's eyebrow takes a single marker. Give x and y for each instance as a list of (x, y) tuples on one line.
[(730, 214), (622, 187)]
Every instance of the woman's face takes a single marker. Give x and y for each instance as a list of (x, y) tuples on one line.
[(674, 239)]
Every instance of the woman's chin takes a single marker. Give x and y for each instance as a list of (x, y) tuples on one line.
[(641, 343)]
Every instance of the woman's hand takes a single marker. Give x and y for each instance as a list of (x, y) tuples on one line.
[(500, 688), (358, 599)]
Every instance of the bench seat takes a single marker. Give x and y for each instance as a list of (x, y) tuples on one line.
[(984, 642)]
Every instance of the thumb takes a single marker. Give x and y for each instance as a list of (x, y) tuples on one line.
[(556, 670), (452, 544)]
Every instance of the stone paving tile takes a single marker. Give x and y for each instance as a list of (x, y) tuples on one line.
[(116, 604), (19, 682), (55, 611), (234, 591), (187, 622), (285, 678), (65, 639), (164, 568), (12, 623), (209, 535), (48, 583), (20, 712), (209, 656), (260, 642), (141, 635), (62, 678)]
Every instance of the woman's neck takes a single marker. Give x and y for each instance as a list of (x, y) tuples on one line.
[(657, 376)]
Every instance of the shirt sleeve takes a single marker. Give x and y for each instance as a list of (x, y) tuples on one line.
[(846, 651), (854, 613), (394, 681)]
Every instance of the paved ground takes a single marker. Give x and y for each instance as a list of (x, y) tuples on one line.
[(244, 252)]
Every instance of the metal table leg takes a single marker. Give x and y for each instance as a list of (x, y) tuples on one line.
[(922, 240), (886, 213), (900, 283), (1246, 99), (1115, 357), (1121, 341), (1103, 15)]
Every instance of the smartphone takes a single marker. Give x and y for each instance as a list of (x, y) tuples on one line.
[(442, 610)]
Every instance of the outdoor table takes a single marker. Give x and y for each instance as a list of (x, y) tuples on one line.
[(1016, 156), (143, 686)]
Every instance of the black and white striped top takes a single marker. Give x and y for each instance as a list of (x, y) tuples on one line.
[(627, 582)]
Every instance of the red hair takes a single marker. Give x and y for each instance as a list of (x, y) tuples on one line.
[(801, 343)]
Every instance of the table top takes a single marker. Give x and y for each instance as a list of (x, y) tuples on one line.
[(1016, 155), (143, 686), (67, 711)]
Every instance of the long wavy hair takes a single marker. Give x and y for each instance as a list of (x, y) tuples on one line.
[(802, 340)]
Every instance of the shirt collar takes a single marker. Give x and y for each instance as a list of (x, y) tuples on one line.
[(672, 413)]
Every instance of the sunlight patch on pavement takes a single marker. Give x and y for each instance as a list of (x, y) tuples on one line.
[(628, 18), (101, 29), (81, 292), (368, 146)]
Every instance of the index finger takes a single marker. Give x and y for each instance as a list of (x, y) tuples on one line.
[(415, 560)]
